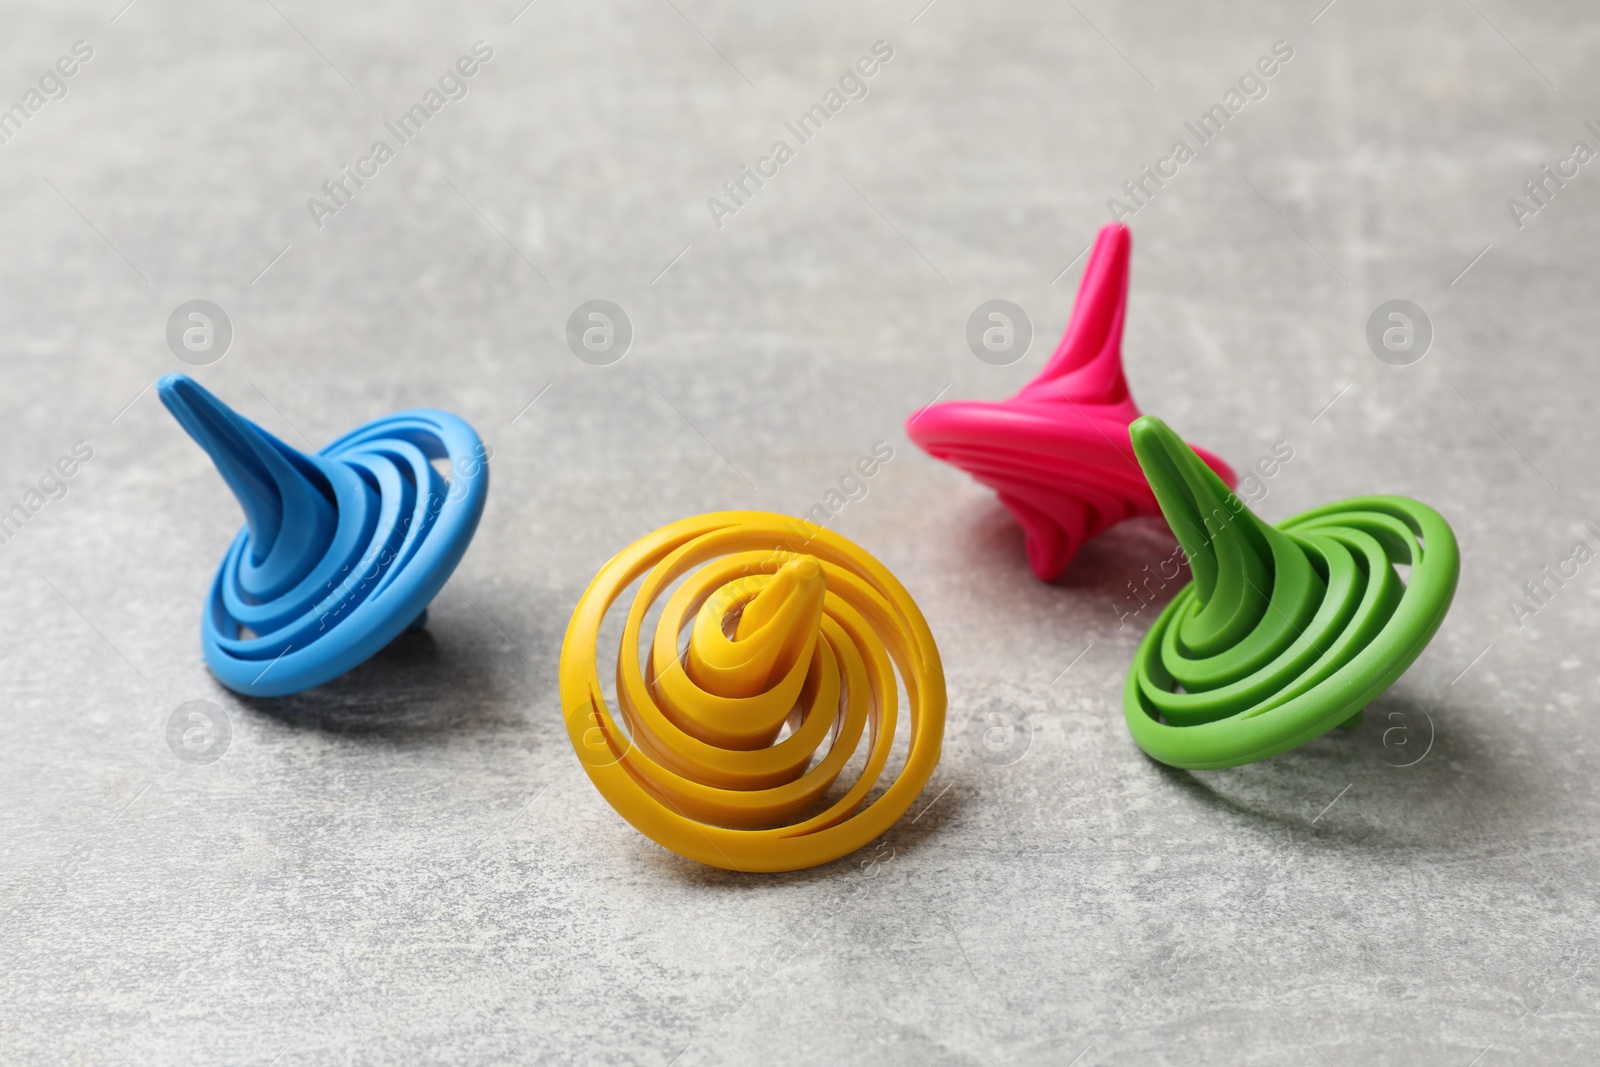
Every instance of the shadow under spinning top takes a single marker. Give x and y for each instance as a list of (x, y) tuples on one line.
[(341, 551), (1057, 453), (1284, 632)]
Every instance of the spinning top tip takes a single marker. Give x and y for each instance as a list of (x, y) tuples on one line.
[(283, 492), (776, 629), (793, 595), (1192, 498), (1234, 556)]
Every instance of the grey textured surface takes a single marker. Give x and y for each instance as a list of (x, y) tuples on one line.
[(410, 866)]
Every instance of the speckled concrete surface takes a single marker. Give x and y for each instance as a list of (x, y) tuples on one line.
[(409, 864)]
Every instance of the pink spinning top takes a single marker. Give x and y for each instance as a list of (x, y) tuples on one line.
[(1058, 452)]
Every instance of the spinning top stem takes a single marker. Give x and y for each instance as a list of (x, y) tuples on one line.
[(1087, 364), (284, 492), (1235, 558), (776, 629)]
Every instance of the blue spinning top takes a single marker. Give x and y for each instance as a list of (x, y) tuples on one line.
[(341, 550)]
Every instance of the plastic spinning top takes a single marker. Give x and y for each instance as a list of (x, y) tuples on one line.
[(727, 749), (341, 550), (1285, 632), (1057, 453)]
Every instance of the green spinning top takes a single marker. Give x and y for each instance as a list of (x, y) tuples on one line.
[(1284, 632)]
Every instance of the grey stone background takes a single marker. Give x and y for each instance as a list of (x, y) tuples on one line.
[(409, 865)]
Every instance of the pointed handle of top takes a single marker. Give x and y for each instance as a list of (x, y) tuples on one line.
[(1233, 556), (286, 497), (1090, 352), (777, 628)]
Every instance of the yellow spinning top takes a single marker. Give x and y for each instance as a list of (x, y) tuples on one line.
[(727, 751)]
